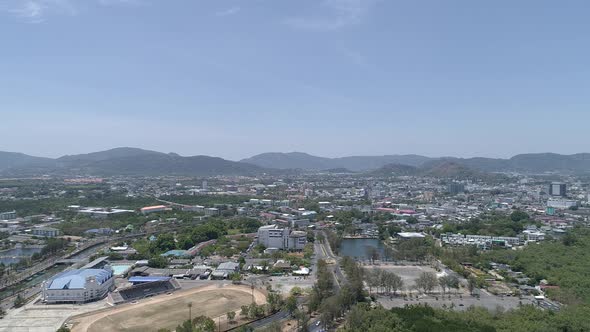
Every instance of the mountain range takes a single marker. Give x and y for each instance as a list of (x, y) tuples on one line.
[(125, 161), (134, 161), (531, 163)]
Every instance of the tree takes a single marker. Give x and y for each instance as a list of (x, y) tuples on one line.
[(186, 326), (372, 253), (296, 291), (63, 329), (244, 310), (236, 278), (291, 304), (426, 281), (158, 261), (165, 242), (444, 283), (272, 327), (394, 282), (372, 278), (452, 282), (471, 284), (302, 320), (518, 216), (230, 316), (274, 302), (19, 301), (204, 324)]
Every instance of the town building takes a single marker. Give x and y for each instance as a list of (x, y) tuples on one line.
[(102, 213), (274, 236), (225, 269), (45, 232), (152, 209), (8, 215), (78, 286), (562, 203), (455, 188), (557, 189)]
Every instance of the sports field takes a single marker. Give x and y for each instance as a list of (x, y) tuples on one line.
[(168, 311)]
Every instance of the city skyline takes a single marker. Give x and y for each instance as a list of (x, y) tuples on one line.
[(330, 78)]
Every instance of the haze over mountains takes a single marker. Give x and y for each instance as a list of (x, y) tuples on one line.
[(538, 162), (134, 161)]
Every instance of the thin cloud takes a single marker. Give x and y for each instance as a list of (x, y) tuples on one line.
[(356, 58), (340, 14), (36, 11), (119, 2), (228, 12)]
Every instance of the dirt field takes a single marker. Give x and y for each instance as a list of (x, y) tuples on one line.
[(408, 273), (168, 311)]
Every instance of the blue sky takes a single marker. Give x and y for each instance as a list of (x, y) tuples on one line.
[(234, 78)]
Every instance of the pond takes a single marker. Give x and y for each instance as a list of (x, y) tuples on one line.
[(361, 249)]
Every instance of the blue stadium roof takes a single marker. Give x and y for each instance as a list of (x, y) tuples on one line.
[(76, 279), (147, 279)]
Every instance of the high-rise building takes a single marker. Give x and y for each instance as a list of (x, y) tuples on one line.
[(204, 186), (557, 189), (455, 188)]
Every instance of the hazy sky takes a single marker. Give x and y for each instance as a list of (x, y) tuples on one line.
[(234, 78)]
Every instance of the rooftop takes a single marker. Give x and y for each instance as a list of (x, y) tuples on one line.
[(76, 279)]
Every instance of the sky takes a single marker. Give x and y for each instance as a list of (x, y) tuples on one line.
[(234, 78)]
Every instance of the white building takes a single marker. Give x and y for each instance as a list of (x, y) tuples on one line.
[(45, 232), (102, 213), (273, 236), (561, 203), (8, 215), (534, 235), (78, 286)]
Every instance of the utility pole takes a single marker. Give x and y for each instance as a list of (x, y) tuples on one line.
[(190, 317)]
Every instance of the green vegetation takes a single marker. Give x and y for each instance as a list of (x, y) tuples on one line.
[(491, 224), (207, 200), (381, 280), (52, 246), (424, 318), (323, 297), (19, 301), (564, 263)]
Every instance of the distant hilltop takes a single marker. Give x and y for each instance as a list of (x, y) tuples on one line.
[(140, 162), (536, 162)]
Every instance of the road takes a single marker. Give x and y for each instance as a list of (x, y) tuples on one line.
[(35, 288), (324, 251), (279, 316)]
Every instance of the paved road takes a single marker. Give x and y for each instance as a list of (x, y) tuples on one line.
[(270, 319), (323, 251)]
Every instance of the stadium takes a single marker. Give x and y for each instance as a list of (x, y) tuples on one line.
[(78, 286), (143, 287)]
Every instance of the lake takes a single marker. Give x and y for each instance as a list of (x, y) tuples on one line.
[(360, 248), (12, 256)]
